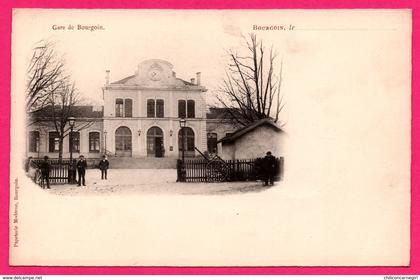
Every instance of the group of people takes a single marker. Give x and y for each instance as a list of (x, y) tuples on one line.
[(81, 166)]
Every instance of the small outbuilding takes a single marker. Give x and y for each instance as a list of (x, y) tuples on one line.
[(253, 141)]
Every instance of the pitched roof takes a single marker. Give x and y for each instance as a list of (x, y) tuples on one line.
[(238, 133), (123, 81), (221, 113), (80, 111)]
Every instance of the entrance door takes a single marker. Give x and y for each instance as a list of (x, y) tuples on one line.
[(158, 145), (123, 142), (155, 142)]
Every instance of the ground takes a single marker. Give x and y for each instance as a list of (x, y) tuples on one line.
[(150, 181), (144, 218)]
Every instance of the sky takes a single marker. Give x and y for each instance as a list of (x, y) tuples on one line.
[(191, 41), (331, 59)]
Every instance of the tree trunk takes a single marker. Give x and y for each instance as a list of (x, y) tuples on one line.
[(60, 149)]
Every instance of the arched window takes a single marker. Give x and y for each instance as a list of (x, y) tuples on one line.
[(34, 141), (150, 108), (74, 138), (94, 142), (189, 143)]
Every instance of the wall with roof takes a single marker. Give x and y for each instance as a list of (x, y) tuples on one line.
[(255, 144)]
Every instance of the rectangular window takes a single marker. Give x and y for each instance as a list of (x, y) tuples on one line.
[(212, 143), (53, 142), (190, 109), (75, 139), (128, 108), (160, 110), (119, 107), (150, 108), (94, 142), (181, 109), (34, 141)]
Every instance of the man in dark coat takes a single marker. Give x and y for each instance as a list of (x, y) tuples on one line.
[(45, 172), (269, 168), (81, 170), (103, 166), (28, 164)]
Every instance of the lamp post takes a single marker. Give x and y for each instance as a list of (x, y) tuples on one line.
[(105, 133), (182, 124), (71, 169)]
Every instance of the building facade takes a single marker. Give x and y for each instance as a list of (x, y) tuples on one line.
[(141, 118), (142, 113)]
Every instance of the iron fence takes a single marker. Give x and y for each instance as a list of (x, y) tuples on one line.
[(204, 170)]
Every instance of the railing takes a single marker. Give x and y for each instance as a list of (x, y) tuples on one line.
[(217, 170)]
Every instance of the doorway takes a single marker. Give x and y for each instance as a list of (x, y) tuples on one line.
[(155, 144), (123, 146)]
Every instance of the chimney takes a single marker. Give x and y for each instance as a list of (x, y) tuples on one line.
[(198, 78), (193, 81), (107, 77)]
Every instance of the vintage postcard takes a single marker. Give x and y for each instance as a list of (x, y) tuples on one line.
[(210, 137)]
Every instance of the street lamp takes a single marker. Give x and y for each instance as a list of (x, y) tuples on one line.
[(105, 133), (71, 169), (182, 124)]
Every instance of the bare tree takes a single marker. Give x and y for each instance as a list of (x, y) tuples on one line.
[(51, 93), (45, 74), (251, 89), (62, 104)]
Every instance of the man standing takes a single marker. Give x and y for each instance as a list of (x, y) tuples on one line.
[(28, 164), (103, 166), (81, 170), (269, 168), (45, 172)]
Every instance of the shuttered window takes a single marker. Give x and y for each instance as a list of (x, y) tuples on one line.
[(190, 109), (181, 109), (160, 110), (128, 108), (150, 108)]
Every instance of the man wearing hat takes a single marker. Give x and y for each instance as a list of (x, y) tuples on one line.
[(103, 166), (81, 170), (269, 168), (45, 172)]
